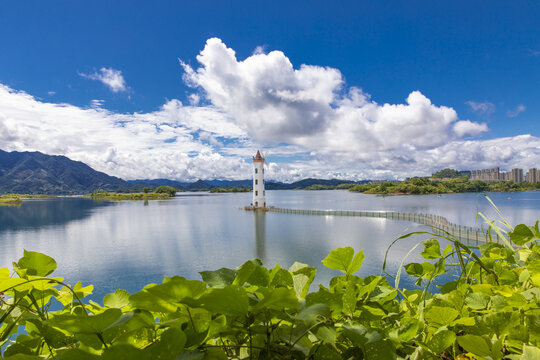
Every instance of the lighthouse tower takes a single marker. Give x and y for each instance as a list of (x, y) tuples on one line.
[(259, 200)]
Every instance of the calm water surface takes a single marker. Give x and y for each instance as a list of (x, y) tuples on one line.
[(129, 244)]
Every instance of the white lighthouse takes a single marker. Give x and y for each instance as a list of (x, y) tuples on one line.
[(259, 200)]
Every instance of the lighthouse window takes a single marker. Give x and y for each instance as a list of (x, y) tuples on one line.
[(256, 181), (256, 170), (264, 192), (256, 193), (263, 170)]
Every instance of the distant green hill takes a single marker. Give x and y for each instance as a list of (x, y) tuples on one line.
[(34, 172), (37, 173)]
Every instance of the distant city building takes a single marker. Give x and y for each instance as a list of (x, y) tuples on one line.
[(486, 174), (515, 175), (532, 176)]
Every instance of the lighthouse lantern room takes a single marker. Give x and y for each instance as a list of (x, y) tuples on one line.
[(259, 200)]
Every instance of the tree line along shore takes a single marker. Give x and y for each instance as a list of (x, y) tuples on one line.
[(414, 186)]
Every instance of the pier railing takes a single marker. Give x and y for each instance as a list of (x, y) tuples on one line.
[(439, 224)]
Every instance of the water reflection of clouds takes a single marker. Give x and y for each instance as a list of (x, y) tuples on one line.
[(128, 244)]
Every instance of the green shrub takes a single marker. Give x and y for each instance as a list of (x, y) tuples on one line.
[(166, 190)]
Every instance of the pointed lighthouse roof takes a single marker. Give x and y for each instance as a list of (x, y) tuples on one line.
[(258, 157)]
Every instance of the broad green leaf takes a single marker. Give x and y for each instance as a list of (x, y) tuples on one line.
[(76, 354), (169, 346), (356, 263), (344, 260), (409, 330), (414, 269), (477, 300), (85, 324), (380, 350), (475, 344), (117, 299), (465, 321), (314, 314), (125, 352), (148, 301), (324, 352), (356, 333), (66, 296), (372, 313), (522, 235), (323, 296), (24, 357), (218, 278), (530, 353), (370, 287), (166, 297), (432, 250), (349, 298), (439, 315), (277, 299), (36, 264), (253, 273), (302, 277), (231, 300), (382, 294), (281, 277), (215, 354), (441, 341)]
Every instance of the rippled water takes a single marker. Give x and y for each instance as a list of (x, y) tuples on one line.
[(129, 244)]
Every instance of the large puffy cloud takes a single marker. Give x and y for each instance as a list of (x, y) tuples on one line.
[(276, 103), (264, 93), (312, 123)]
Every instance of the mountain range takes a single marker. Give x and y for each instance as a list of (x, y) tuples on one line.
[(38, 173)]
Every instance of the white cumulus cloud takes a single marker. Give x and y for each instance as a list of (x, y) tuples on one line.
[(112, 78), (482, 108), (310, 106), (515, 112)]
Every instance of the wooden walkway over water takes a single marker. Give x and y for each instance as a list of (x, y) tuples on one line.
[(439, 224)]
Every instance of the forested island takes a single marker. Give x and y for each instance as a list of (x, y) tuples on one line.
[(226, 189), (17, 199), (160, 193)]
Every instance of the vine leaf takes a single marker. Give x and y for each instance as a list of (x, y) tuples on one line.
[(344, 260), (35, 264)]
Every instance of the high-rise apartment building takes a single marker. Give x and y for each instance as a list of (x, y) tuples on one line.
[(486, 174), (515, 175), (531, 176)]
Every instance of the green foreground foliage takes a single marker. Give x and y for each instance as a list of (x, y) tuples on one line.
[(456, 185), (104, 195), (486, 308)]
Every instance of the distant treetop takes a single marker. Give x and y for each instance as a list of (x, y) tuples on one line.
[(447, 173)]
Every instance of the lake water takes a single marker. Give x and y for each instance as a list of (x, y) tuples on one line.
[(129, 244)]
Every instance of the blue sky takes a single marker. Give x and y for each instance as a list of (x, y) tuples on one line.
[(479, 59)]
